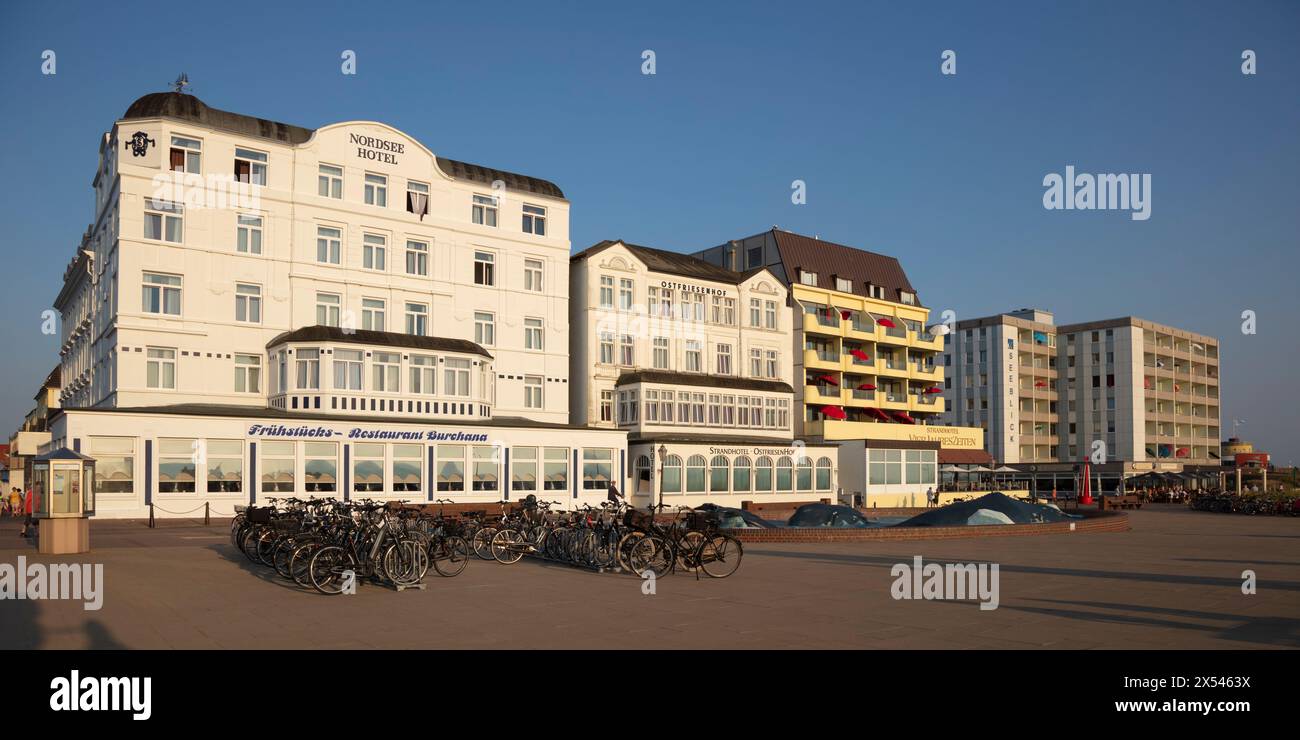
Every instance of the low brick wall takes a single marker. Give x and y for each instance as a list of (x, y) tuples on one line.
[(1093, 521)]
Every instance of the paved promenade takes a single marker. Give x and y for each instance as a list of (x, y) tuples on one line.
[(1172, 582)]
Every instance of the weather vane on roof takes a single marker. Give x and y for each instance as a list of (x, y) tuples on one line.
[(181, 84)]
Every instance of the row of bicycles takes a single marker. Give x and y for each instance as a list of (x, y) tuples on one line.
[(612, 536), (330, 545), (1230, 503)]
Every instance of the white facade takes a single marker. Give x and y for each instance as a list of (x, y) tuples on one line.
[(183, 288), (696, 350), (182, 462)]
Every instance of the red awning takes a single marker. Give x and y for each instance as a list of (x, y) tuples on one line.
[(844, 314), (828, 379), (860, 355), (866, 387), (834, 412), (903, 417), (1040, 384), (934, 390), (886, 322), (1182, 452)]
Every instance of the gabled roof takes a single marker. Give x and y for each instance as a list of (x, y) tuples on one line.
[(320, 333), (830, 260), (183, 107), (673, 263)]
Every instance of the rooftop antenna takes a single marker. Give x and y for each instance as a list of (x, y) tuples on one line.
[(182, 83)]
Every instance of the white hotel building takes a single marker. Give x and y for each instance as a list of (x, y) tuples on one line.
[(353, 316), (693, 361)]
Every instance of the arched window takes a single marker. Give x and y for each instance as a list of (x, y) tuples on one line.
[(804, 475), (740, 474), (824, 474), (784, 468), (695, 474), (642, 472), (718, 474), (763, 475), (672, 475)]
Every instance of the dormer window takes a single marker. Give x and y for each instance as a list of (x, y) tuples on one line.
[(844, 285), (907, 297), (808, 278)]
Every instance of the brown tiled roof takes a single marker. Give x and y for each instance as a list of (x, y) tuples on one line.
[(189, 108), (699, 379), (830, 260), (673, 263), (320, 333)]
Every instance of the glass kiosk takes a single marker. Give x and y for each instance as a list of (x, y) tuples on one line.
[(63, 500)]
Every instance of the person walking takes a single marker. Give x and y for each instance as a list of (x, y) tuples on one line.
[(27, 507), (15, 502), (931, 498)]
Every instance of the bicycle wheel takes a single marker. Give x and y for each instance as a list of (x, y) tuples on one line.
[(300, 563), (687, 549), (481, 542), (450, 556), (606, 549), (623, 550), (280, 558), (652, 554), (328, 570), (719, 556), (507, 546), (248, 544), (266, 545)]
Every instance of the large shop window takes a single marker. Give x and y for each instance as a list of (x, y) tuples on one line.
[(451, 468), (803, 480), (824, 474), (783, 471), (320, 468), (277, 467), (597, 469), (485, 468), (523, 469), (114, 464), (176, 465), (556, 469), (672, 475), (718, 473), (695, 465), (763, 475), (367, 467), (885, 467), (225, 465), (740, 474), (406, 468)]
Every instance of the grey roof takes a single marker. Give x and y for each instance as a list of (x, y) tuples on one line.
[(62, 453), (703, 380), (673, 263), (830, 260), (183, 107), (320, 333)]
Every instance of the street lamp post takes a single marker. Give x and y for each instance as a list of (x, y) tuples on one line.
[(663, 452)]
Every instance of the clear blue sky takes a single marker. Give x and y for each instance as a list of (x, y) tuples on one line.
[(943, 172)]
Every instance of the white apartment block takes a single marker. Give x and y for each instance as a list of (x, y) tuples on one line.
[(1128, 393)]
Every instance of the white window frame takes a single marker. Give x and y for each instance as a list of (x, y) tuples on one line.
[(417, 257), (374, 252), (329, 244), (165, 214), (257, 165), (534, 220), (249, 234), (376, 190), (329, 312), (329, 181), (417, 319), (533, 394), (162, 289), (485, 328), (534, 272), (248, 300), (162, 361), (483, 210), (534, 334)]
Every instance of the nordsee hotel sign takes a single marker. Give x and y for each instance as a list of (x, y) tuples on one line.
[(319, 432), (378, 150)]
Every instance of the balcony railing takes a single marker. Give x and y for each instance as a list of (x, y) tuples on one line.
[(864, 395), (896, 331)]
